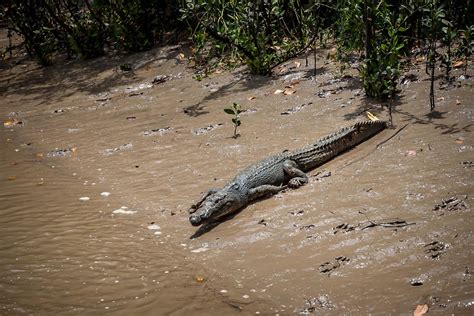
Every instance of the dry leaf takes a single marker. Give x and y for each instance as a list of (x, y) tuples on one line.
[(251, 98), (440, 99), (8, 122), (181, 56), (420, 310), (289, 91), (11, 122), (74, 149), (200, 278), (332, 53), (458, 102), (279, 91), (282, 70), (297, 64), (458, 64), (421, 58), (459, 140), (11, 178)]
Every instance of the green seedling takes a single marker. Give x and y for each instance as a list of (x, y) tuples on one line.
[(235, 111)]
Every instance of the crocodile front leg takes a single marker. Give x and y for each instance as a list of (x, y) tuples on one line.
[(263, 190), (297, 177), (196, 205)]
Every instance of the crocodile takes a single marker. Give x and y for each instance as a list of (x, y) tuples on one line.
[(278, 172)]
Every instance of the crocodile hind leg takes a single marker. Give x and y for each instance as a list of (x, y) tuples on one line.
[(297, 177), (196, 205)]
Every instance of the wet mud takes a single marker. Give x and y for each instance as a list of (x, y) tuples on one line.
[(97, 178)]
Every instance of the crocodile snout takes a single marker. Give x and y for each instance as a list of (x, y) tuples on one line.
[(195, 220)]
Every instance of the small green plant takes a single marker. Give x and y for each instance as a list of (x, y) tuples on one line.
[(384, 45), (235, 111), (448, 37), (433, 21), (465, 47)]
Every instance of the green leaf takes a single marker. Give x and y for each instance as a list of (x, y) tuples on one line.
[(229, 111)]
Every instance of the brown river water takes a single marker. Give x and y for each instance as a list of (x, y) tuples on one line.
[(96, 180)]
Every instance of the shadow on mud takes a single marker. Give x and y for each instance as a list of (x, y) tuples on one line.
[(246, 81), (205, 228), (210, 226), (91, 76), (436, 115)]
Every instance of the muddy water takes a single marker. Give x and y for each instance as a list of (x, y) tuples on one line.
[(364, 238), (64, 249)]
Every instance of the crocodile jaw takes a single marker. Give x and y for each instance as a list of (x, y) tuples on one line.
[(216, 206)]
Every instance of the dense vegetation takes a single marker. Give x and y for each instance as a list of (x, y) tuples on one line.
[(261, 33)]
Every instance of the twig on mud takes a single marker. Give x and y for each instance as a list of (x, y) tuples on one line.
[(388, 223), (394, 134)]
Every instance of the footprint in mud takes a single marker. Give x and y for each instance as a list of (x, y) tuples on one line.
[(307, 227), (158, 131), (435, 249), (321, 175), (110, 151), (297, 213), (295, 109), (345, 228), (467, 164), (329, 266), (452, 204), (321, 302), (61, 152), (207, 129)]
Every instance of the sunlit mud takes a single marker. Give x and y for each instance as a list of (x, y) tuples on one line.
[(97, 178)]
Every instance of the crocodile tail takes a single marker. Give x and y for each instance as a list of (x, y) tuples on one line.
[(332, 145)]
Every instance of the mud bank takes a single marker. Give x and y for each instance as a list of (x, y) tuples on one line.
[(380, 229)]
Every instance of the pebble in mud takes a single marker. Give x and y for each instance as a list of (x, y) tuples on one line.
[(84, 198), (123, 210), (202, 249), (105, 194), (420, 280), (154, 227)]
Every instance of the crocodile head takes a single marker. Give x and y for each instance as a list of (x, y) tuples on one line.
[(215, 206)]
